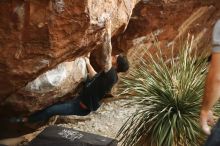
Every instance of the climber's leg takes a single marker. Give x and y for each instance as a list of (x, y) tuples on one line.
[(66, 108)]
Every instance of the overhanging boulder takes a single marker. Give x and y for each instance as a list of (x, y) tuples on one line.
[(36, 35)]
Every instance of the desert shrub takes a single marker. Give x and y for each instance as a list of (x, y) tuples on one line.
[(168, 93)]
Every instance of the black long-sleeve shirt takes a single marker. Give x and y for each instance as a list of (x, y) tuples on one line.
[(97, 87)]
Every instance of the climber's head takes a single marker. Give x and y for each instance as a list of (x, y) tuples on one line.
[(120, 62)]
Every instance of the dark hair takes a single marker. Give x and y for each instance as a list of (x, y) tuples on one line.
[(122, 63)]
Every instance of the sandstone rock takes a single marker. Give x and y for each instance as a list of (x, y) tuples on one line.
[(36, 35), (74, 71), (48, 88), (169, 21)]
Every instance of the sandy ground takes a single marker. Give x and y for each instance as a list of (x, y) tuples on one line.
[(106, 121)]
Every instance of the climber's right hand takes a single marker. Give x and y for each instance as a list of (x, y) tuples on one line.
[(87, 60)]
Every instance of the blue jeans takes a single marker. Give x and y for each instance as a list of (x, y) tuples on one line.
[(71, 107), (214, 138)]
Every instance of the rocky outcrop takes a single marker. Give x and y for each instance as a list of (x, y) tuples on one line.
[(36, 35), (40, 35), (169, 22), (55, 85)]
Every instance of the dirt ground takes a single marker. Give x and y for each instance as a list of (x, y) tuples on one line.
[(106, 121)]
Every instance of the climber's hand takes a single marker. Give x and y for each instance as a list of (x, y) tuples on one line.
[(87, 60)]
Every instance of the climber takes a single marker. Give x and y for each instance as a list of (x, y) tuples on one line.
[(95, 88)]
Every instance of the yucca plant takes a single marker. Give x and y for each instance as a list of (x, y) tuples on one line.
[(168, 94)]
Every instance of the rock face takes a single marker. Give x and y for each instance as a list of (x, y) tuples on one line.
[(36, 35), (40, 35), (55, 85), (169, 21)]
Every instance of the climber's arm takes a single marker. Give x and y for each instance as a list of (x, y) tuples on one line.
[(91, 71)]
